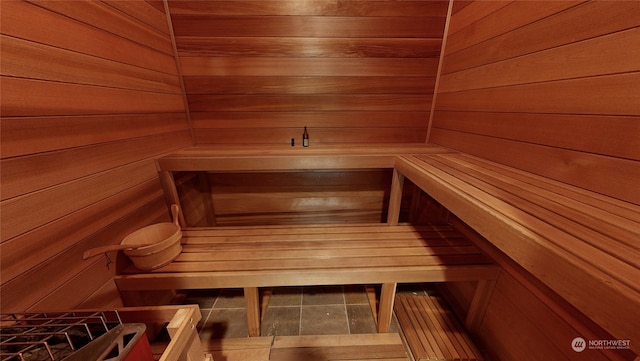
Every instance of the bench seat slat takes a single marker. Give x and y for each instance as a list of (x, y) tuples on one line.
[(322, 263), (206, 245), (319, 234), (606, 206), (316, 238), (580, 218), (525, 216), (577, 242), (431, 331), (211, 250), (250, 254), (304, 277)]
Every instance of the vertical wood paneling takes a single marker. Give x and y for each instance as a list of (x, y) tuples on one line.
[(550, 87), (327, 65), (90, 96)]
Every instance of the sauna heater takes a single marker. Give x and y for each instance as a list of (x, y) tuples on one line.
[(72, 336)]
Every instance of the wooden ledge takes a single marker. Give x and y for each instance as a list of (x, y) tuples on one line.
[(581, 244), (286, 158)]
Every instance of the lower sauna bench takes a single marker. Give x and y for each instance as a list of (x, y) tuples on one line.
[(430, 330)]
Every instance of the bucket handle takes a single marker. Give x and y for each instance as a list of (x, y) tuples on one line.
[(175, 210)]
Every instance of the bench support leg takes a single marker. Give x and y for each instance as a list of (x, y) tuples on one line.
[(387, 296), (395, 198), (479, 304), (252, 301)]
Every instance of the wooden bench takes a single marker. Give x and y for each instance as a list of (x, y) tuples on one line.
[(430, 331), (581, 244), (309, 255)]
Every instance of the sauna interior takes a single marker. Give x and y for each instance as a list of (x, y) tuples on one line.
[(96, 95)]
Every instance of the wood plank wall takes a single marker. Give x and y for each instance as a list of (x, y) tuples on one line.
[(552, 88), (355, 71), (548, 87), (288, 198), (90, 95)]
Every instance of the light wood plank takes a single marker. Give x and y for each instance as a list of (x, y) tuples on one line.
[(607, 95), (591, 57), (24, 59), (552, 163), (294, 7), (308, 85), (128, 24), (274, 66), (68, 33), (22, 136), (588, 20), (29, 250), (307, 26), (314, 120), (19, 177), (22, 97), (584, 133), (300, 47), (482, 21), (23, 214), (321, 136)]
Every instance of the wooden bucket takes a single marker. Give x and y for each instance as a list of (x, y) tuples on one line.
[(150, 247), (156, 245)]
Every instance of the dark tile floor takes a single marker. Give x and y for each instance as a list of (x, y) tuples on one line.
[(291, 311)]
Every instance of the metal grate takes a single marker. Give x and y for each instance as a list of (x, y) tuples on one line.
[(51, 336)]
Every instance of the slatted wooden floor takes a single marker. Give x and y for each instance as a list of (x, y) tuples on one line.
[(366, 347)]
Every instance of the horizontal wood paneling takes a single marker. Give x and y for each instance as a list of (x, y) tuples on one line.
[(308, 26), (237, 127), (591, 57), (267, 66), (614, 135), (22, 136), (563, 103), (546, 31), (25, 59), (292, 197), (132, 20), (306, 102), (58, 30), (300, 197), (28, 97), (295, 64), (328, 135), (55, 168), (310, 47), (241, 120), (61, 277), (307, 85), (308, 7), (32, 248), (90, 97)]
